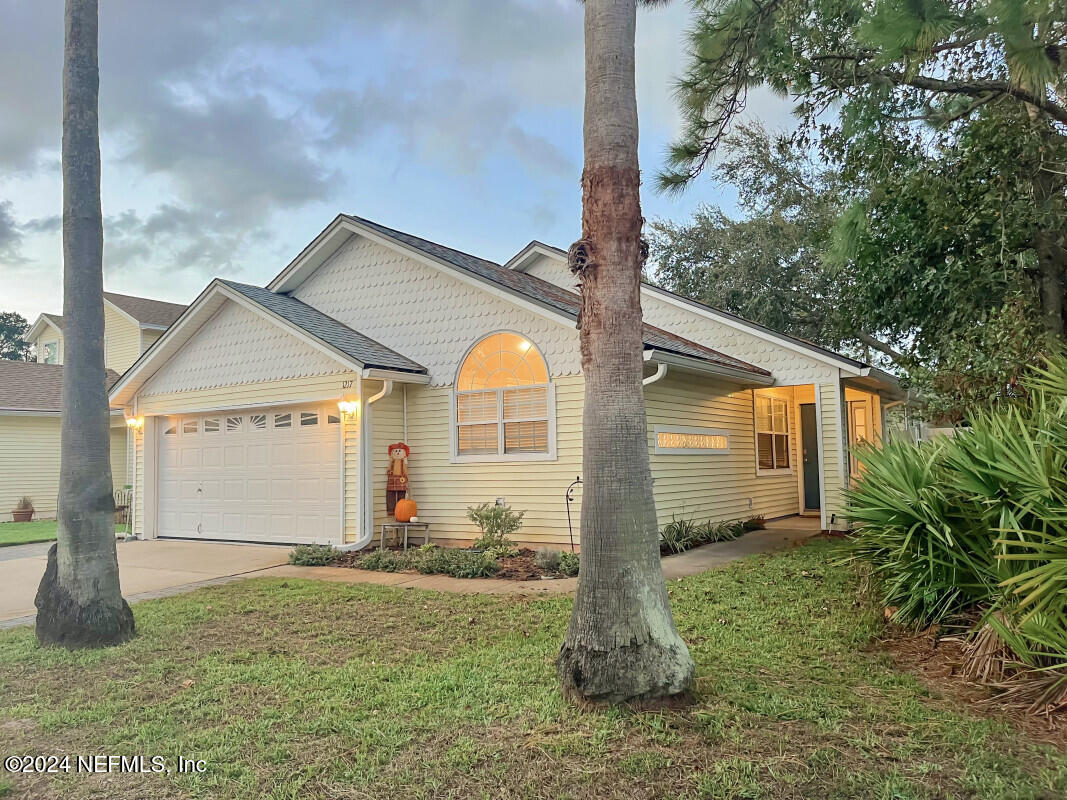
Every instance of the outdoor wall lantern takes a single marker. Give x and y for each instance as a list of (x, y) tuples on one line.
[(348, 407)]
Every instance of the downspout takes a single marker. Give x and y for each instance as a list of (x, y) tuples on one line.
[(658, 375), (366, 462)]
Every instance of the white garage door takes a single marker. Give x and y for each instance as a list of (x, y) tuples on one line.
[(268, 476)]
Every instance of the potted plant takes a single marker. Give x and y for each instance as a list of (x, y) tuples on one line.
[(23, 511)]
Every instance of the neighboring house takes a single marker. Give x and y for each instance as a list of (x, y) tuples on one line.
[(30, 404), (265, 414)]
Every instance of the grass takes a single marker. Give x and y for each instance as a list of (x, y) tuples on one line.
[(42, 530), (292, 688)]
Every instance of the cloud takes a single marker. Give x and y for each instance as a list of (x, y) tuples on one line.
[(448, 122), (10, 235)]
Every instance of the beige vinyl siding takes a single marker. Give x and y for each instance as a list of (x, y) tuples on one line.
[(716, 486), (149, 337), (288, 391), (137, 480), (29, 462), (122, 340), (118, 456), (831, 413), (350, 427), (387, 422), (444, 490)]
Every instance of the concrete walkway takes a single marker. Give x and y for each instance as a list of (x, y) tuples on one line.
[(163, 568), (146, 570), (780, 534)]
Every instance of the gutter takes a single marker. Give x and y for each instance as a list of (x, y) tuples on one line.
[(706, 367), (661, 372), (366, 477)]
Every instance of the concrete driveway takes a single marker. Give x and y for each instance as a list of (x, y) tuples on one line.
[(146, 569)]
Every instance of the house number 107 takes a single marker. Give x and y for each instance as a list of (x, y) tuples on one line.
[(346, 384)]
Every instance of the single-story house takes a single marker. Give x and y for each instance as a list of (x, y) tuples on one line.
[(30, 399), (264, 414)]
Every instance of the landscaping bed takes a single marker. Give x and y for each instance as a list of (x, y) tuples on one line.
[(515, 564)]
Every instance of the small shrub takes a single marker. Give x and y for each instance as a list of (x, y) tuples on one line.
[(679, 535), (711, 532), (548, 560), (756, 523), (568, 564), (457, 563), (25, 503), (501, 552), (313, 555), (496, 523), (388, 560)]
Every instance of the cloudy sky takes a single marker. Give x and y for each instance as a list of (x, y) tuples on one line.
[(233, 131)]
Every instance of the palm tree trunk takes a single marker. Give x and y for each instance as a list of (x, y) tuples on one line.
[(621, 644), (79, 603)]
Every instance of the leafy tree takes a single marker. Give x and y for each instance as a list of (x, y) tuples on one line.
[(79, 603), (13, 327), (621, 643), (893, 69), (766, 266)]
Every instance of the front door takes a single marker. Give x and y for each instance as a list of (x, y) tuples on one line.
[(809, 439)]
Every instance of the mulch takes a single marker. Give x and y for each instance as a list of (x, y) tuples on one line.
[(936, 660)]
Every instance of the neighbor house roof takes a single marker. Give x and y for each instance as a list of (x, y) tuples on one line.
[(552, 296), (153, 313), (145, 312), (326, 329), (31, 387)]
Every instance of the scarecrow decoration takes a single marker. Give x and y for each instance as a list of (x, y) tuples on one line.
[(396, 484)]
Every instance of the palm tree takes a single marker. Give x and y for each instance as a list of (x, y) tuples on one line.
[(79, 603), (621, 644)]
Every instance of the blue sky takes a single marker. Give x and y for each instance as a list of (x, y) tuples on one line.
[(233, 132)]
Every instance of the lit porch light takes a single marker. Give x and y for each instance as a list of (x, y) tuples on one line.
[(348, 407)]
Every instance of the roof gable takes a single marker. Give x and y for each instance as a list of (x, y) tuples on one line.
[(518, 287), (327, 338)]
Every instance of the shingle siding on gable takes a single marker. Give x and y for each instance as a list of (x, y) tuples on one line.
[(554, 271), (424, 313), (237, 346), (788, 366)]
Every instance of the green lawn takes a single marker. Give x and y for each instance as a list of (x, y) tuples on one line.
[(27, 532), (291, 688)]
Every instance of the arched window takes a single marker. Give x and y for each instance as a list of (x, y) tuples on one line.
[(504, 403)]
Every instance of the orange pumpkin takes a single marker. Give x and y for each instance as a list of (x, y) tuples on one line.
[(405, 510)]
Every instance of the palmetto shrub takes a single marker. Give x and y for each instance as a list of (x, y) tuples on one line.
[(978, 522)]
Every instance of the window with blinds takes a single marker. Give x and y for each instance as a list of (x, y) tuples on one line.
[(502, 399), (772, 433)]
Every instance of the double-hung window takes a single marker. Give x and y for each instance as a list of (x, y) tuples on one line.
[(772, 434), (503, 402)]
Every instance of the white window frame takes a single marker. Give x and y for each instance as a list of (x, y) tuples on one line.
[(687, 451), (788, 434), (500, 456), (55, 355)]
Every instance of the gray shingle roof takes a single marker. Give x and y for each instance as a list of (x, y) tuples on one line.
[(550, 295), (147, 311), (29, 386), (326, 329)]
